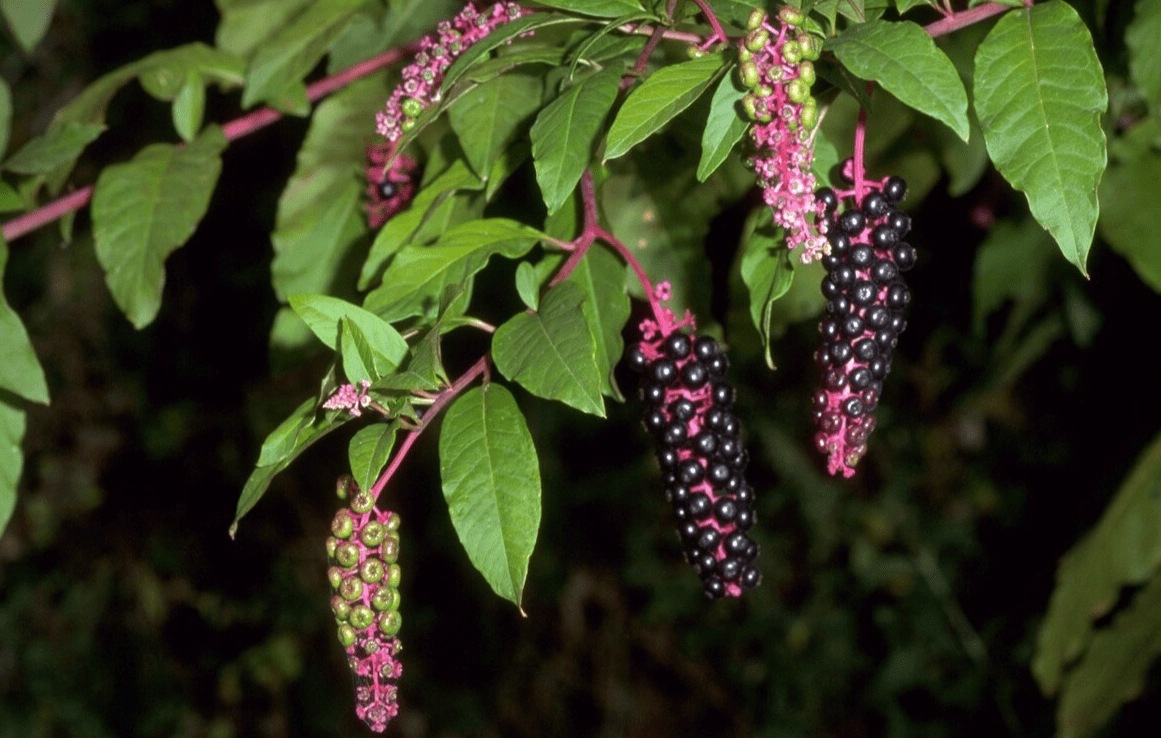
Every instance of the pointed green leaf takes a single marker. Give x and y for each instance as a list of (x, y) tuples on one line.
[(606, 307), (491, 481), (164, 74), (1011, 265), (11, 456), (403, 228), (1143, 39), (320, 212), (488, 117), (419, 274), (359, 358), (59, 145), (281, 447), (480, 50), (5, 116), (662, 95), (902, 58), (1124, 548), (552, 352), (767, 271), (28, 20), (145, 209), (528, 285), (1130, 192), (597, 8), (724, 127), (189, 106), (1040, 92), (292, 52), (324, 313), (245, 24), (20, 371), (369, 450), (565, 134)]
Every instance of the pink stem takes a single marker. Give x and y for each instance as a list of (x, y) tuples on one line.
[(477, 369), (233, 130), (859, 173), (713, 22), (964, 18)]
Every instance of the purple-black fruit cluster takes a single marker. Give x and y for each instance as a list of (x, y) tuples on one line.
[(687, 409), (867, 298)]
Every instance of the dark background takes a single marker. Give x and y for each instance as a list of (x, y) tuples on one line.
[(904, 602)]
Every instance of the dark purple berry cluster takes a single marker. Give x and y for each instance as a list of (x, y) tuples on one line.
[(865, 314), (687, 409)]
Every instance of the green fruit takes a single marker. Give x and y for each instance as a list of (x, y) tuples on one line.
[(390, 549), (342, 486), (332, 546), (351, 589), (335, 576), (371, 570), (363, 503), (361, 617), (392, 521), (346, 635), (791, 52), (798, 91), (790, 16), (756, 40), (373, 533), (756, 19), (748, 74), (811, 46), (411, 107), (385, 598), (389, 622), (394, 574), (342, 526), (341, 608), (806, 72), (347, 554)]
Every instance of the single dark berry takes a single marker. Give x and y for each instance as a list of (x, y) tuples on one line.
[(714, 589), (706, 348), (829, 329), (691, 472), (729, 568), (875, 206), (843, 276), (718, 474), (714, 418), (745, 519), (682, 409), (677, 493), (864, 293), (901, 222), (878, 316), (841, 353), (830, 262), (687, 531), (884, 271), (853, 407), (745, 495), (861, 378), (829, 200), (866, 349), (840, 243), (829, 288), (862, 256), (637, 359), (879, 367), (898, 323), (839, 305), (883, 236), (852, 221), (674, 434), (694, 374), (725, 510), (700, 506), (667, 457), (655, 420), (751, 577), (653, 394), (705, 443), (904, 254), (737, 543), (886, 339), (835, 380), (678, 346), (898, 296), (728, 447), (664, 372), (709, 538), (723, 394), (852, 325), (718, 366), (731, 427), (895, 189)]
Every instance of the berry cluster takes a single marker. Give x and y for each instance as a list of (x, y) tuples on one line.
[(776, 65), (365, 578), (390, 183), (867, 297), (687, 409)]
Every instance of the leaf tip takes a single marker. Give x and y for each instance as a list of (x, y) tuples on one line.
[(233, 531)]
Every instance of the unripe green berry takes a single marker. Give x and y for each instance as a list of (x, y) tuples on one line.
[(390, 548), (749, 104), (809, 115), (810, 45), (373, 533), (393, 576), (347, 554), (346, 635), (764, 91), (342, 526), (756, 40), (343, 485), (371, 570), (744, 54), (790, 16), (411, 107), (389, 622), (341, 608), (408, 124), (385, 598), (361, 617), (363, 503), (798, 91), (392, 521), (806, 72), (748, 74), (756, 19), (335, 576), (693, 52), (791, 52), (351, 589), (332, 546)]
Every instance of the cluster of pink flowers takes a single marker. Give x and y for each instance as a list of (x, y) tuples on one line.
[(350, 399), (390, 182), (777, 67), (424, 76)]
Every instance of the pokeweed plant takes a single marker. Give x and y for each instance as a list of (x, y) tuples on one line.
[(419, 141)]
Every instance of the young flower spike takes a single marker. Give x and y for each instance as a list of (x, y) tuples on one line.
[(777, 67), (390, 183), (363, 551), (867, 297), (687, 409)]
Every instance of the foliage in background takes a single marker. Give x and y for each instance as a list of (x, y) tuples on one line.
[(874, 615)]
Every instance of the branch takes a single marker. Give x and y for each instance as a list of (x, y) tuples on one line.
[(964, 18), (233, 130)]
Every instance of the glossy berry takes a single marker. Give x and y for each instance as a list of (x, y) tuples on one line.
[(894, 189)]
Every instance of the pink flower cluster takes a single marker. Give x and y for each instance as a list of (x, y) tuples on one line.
[(390, 183), (777, 66), (350, 399), (423, 77)]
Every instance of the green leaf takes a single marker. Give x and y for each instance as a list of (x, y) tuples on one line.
[(320, 212), (552, 352), (189, 106), (606, 307), (491, 481), (369, 450), (1011, 264), (1141, 38), (1129, 193), (902, 58), (322, 313), (20, 371), (564, 136), (420, 274), (58, 146), (359, 358), (281, 447), (596, 8), (487, 118), (724, 127), (11, 456), (501, 36), (29, 21), (245, 24), (528, 285), (401, 230), (766, 269), (488, 70), (1123, 548), (1040, 92), (145, 209), (164, 74), (1113, 671), (662, 95), (5, 116), (295, 49)]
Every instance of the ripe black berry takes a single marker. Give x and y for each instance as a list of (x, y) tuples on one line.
[(862, 256), (875, 206), (884, 271), (387, 189), (682, 409), (883, 236), (677, 346), (864, 293), (852, 222), (664, 372), (900, 222), (694, 374), (895, 189), (826, 196), (706, 348), (691, 472), (840, 242), (904, 254), (722, 394), (637, 359)]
